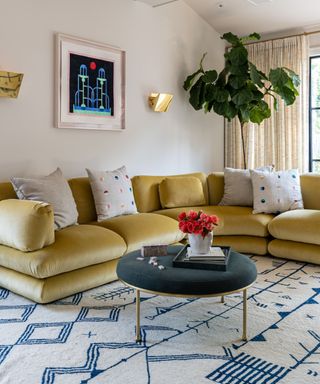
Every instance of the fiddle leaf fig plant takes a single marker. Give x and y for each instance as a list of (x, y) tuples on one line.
[(239, 90)]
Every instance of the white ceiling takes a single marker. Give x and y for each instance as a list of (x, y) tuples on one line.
[(267, 17), (242, 17)]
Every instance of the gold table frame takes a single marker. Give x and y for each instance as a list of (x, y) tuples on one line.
[(221, 294)]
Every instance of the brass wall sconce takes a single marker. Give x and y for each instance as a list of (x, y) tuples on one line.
[(10, 83), (159, 102)]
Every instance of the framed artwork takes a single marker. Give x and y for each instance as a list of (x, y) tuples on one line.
[(90, 85)]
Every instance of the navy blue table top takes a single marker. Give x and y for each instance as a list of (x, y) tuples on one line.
[(241, 273)]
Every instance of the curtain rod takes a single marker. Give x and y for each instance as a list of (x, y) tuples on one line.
[(284, 37)]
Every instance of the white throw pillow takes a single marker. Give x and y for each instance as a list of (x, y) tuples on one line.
[(276, 192), (112, 193), (238, 186), (53, 189)]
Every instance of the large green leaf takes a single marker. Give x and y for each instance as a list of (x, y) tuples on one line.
[(238, 69), (259, 112), (230, 111), (238, 55), (255, 76), (231, 38), (209, 95), (244, 115), (227, 110), (202, 94), (287, 95), (221, 81), (257, 95), (196, 93), (251, 37), (219, 108), (190, 79), (278, 77), (244, 96), (220, 94), (294, 77), (237, 82), (210, 76), (289, 84)]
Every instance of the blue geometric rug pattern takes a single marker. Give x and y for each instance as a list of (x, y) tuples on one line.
[(90, 337)]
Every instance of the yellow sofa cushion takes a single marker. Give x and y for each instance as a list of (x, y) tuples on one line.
[(295, 251), (75, 247), (7, 191), (243, 244), (26, 225), (144, 229), (301, 225), (233, 220), (58, 286), (82, 193), (310, 183), (215, 187), (146, 190), (181, 192)]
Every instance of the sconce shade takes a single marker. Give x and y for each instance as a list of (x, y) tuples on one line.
[(159, 102), (10, 83)]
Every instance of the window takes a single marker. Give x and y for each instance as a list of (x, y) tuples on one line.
[(314, 115)]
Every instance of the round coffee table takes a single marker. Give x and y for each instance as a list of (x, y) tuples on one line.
[(182, 282)]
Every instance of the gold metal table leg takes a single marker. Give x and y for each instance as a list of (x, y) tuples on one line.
[(245, 314), (222, 299), (138, 334)]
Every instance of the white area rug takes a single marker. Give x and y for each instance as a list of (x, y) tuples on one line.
[(90, 337)]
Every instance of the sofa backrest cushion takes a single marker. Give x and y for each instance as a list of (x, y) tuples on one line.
[(146, 190), (215, 187), (310, 189), (83, 197), (7, 191), (181, 192)]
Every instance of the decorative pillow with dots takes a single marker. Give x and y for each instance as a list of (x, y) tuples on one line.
[(112, 193), (276, 192)]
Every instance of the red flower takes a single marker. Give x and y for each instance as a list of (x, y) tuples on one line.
[(190, 227), (197, 222), (182, 216), (193, 215)]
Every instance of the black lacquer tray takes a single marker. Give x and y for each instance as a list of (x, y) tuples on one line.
[(181, 261)]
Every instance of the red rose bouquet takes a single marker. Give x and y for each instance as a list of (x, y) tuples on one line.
[(198, 223)]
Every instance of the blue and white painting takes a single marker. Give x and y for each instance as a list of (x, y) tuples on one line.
[(91, 86)]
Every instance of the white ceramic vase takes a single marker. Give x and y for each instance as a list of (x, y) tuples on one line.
[(200, 245)]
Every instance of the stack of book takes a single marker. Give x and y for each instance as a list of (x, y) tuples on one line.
[(215, 255), (217, 259)]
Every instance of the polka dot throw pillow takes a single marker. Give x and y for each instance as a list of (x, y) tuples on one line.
[(276, 192), (112, 193)]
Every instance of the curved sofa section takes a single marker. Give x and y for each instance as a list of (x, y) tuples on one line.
[(86, 255)]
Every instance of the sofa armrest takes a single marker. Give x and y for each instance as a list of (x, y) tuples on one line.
[(26, 225)]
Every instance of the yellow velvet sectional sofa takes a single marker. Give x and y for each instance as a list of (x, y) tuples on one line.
[(84, 256)]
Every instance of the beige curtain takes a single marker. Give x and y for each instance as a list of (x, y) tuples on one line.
[(282, 139)]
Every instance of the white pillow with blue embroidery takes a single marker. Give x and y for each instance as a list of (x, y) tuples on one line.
[(112, 193), (276, 192)]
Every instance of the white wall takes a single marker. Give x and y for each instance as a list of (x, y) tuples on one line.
[(163, 45)]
